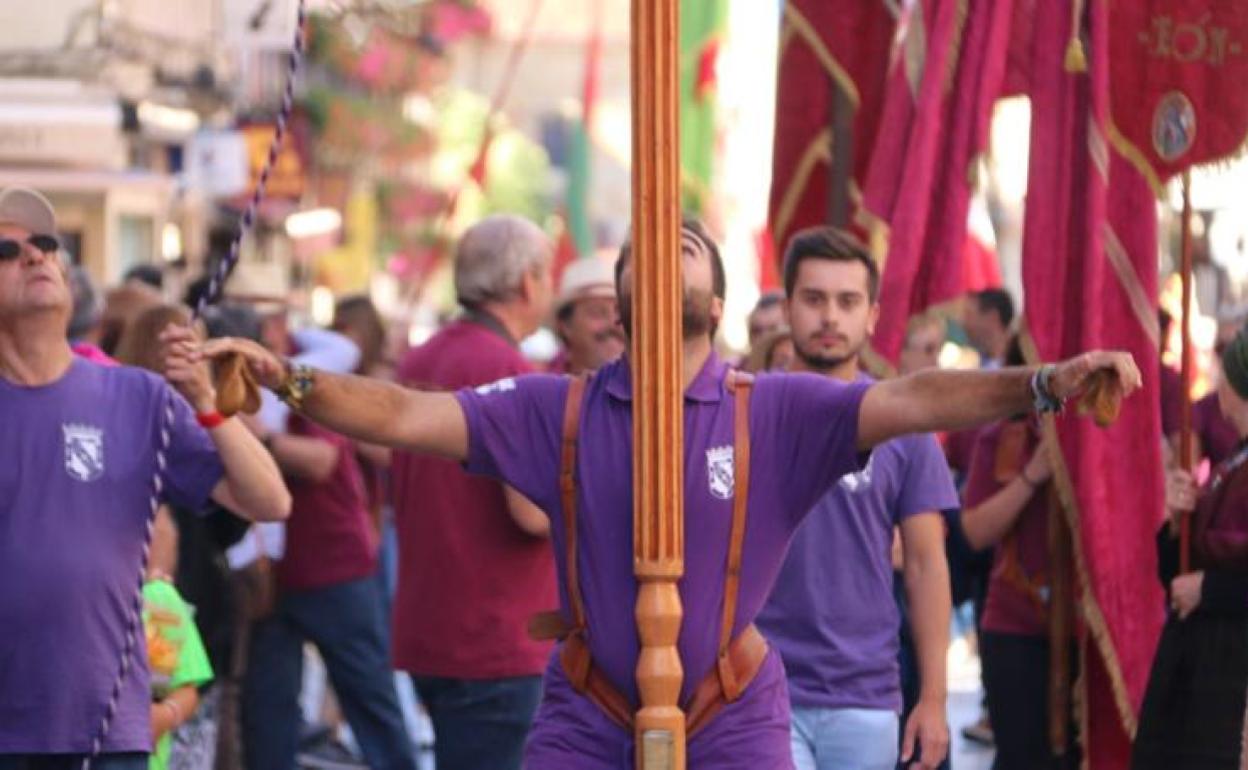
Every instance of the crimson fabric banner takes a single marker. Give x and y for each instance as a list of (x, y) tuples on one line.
[(1177, 77), (1090, 279), (824, 43), (947, 69)]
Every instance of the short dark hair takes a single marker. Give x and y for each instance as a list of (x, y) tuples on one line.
[(997, 301), (768, 299), (694, 227), (832, 244), (149, 274)]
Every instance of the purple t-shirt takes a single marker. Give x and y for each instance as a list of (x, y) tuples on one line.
[(832, 615), (803, 432), (74, 499)]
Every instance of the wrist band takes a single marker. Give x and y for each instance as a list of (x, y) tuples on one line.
[(210, 420), (297, 385), (1042, 396)]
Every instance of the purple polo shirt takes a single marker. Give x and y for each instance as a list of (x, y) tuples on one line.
[(832, 615), (75, 480), (803, 432)]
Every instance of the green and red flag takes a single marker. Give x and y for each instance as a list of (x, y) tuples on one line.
[(702, 24)]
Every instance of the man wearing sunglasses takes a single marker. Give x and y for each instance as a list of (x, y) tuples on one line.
[(78, 442)]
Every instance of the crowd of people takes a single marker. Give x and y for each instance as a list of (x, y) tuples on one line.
[(426, 513)]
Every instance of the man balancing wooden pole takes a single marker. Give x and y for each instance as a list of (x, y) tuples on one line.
[(754, 459)]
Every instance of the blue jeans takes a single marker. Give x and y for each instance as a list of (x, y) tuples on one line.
[(134, 761), (479, 724), (844, 739), (347, 624)]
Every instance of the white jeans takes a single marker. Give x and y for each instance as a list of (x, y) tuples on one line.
[(844, 739)]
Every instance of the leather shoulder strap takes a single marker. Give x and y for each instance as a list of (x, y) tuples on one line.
[(567, 488), (740, 386)]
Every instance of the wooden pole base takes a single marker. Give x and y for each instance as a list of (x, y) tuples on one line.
[(660, 728)]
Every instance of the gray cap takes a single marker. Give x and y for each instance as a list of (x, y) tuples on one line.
[(29, 209)]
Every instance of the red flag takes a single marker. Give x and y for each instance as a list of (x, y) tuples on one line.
[(1178, 72), (823, 43), (1090, 277), (947, 70)]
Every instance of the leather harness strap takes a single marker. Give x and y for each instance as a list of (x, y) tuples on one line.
[(737, 661), (740, 385), (577, 665)]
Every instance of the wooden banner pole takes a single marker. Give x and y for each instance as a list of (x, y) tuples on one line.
[(658, 483)]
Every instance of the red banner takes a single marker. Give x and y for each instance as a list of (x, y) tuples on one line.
[(824, 43), (948, 65), (1090, 279), (1179, 82)]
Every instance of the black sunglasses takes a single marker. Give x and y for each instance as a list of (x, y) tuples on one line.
[(11, 249)]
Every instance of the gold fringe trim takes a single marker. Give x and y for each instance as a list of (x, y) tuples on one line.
[(1141, 306), (1135, 157), (1076, 60), (819, 149), (803, 28), (1098, 150), (1088, 605)]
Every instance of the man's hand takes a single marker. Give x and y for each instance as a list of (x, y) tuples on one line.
[(1181, 494), (185, 369), (268, 369), (1072, 377), (1185, 593), (926, 726)]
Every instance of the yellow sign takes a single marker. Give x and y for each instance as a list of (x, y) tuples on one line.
[(286, 179)]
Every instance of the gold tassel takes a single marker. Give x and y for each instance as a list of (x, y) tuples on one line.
[(1076, 59)]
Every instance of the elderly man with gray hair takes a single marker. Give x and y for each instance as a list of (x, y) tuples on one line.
[(476, 562)]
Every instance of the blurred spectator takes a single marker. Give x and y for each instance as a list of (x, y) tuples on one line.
[(175, 654), (476, 563), (201, 576), (766, 317), (328, 591), (587, 318), (358, 320), (85, 319), (773, 351), (925, 338), (148, 275), (121, 306), (987, 317)]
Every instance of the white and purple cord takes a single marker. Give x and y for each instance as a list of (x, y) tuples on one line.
[(215, 286)]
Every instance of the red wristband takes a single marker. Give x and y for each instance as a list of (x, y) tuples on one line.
[(209, 420)]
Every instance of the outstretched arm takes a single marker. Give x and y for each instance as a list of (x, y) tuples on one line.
[(934, 400), (362, 408)]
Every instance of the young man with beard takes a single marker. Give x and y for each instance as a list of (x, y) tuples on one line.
[(832, 615), (806, 433)]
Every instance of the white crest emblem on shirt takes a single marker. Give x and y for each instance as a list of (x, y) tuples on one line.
[(860, 481), (501, 386), (84, 451), (719, 472)]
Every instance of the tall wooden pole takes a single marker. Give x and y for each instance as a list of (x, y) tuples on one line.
[(658, 480), (1185, 400)]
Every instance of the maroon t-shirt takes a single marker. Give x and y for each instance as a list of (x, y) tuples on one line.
[(469, 579), (329, 538), (1217, 435), (1009, 609)]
